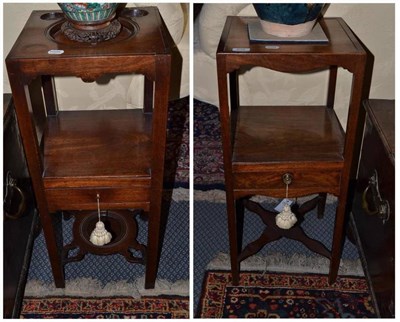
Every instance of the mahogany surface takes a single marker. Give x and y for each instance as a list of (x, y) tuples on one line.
[(308, 56), (123, 227), (151, 38), (287, 133), (20, 224), (375, 230), (73, 156), (273, 232), (79, 144), (262, 143)]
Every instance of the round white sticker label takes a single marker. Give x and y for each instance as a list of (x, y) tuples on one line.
[(55, 52)]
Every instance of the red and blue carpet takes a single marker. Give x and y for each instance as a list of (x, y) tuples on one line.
[(166, 307), (280, 295)]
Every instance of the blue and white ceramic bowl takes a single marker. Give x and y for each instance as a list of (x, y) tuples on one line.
[(288, 19)]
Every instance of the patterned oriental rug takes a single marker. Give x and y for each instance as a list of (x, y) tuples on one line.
[(207, 145), (177, 154), (280, 295), (208, 165), (106, 308)]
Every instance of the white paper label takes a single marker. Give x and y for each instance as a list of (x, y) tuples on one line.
[(241, 50), (271, 47), (284, 202), (55, 52)]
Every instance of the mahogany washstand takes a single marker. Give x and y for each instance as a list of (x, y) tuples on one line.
[(266, 145), (73, 156)]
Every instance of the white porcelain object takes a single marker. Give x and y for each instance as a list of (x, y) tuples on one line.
[(285, 219), (287, 31), (100, 236)]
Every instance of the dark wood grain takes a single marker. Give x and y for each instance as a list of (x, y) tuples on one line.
[(308, 57), (382, 114), (287, 134), (273, 232), (85, 60), (118, 154), (19, 228), (159, 136), (111, 198), (78, 143), (123, 228), (34, 43), (376, 233), (262, 143)]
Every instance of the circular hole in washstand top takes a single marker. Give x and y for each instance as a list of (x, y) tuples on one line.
[(129, 29), (134, 12), (52, 16)]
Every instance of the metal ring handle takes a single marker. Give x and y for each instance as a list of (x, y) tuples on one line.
[(365, 204), (381, 207), (385, 212), (11, 184)]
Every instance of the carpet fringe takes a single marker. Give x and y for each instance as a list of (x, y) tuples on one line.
[(218, 196), (296, 263), (164, 287), (180, 194), (90, 287)]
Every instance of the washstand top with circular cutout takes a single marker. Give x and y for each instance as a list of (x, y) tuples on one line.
[(42, 37)]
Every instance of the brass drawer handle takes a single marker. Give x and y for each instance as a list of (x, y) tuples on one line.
[(372, 202), (287, 178), (11, 188)]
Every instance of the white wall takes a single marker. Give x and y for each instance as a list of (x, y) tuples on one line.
[(374, 24)]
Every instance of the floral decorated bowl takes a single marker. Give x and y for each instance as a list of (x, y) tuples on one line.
[(288, 19), (89, 15)]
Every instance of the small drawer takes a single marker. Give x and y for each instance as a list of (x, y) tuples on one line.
[(270, 183), (86, 198)]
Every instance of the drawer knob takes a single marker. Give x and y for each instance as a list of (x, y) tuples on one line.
[(287, 178), (372, 202)]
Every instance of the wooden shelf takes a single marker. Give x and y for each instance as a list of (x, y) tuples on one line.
[(268, 134), (102, 145)]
